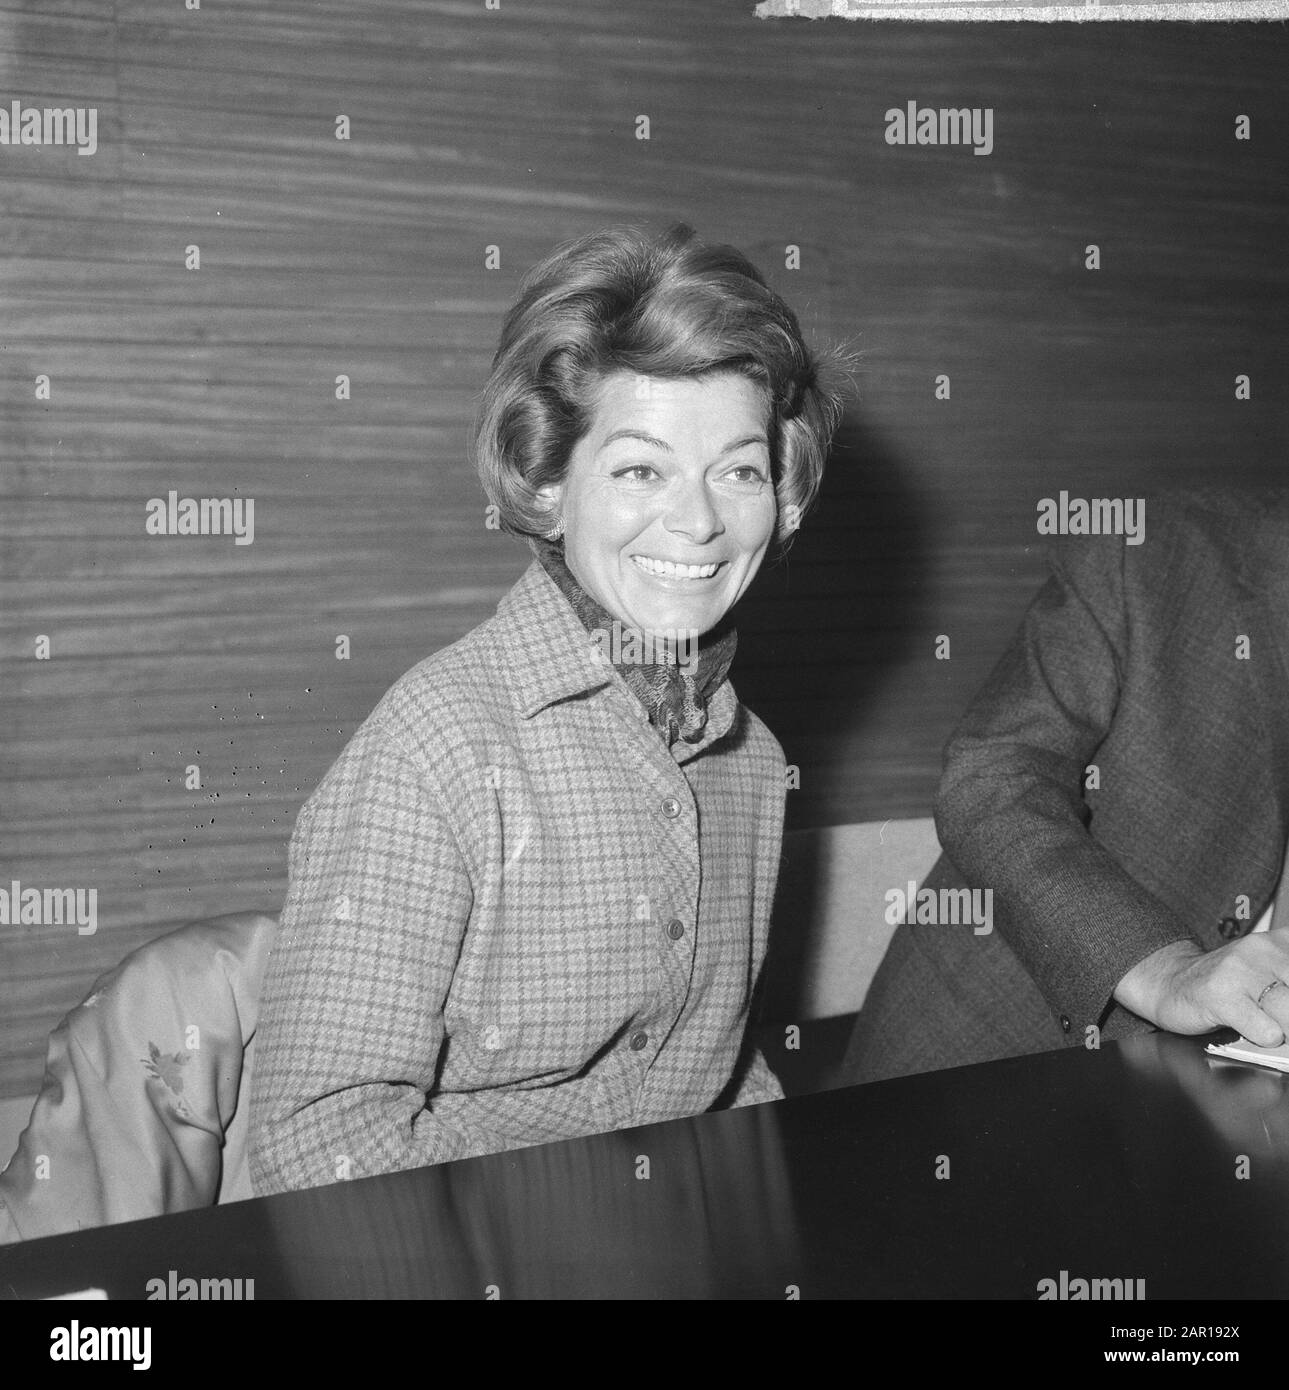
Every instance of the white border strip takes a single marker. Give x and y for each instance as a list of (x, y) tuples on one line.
[(1224, 11)]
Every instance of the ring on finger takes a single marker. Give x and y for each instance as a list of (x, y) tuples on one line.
[(1267, 990)]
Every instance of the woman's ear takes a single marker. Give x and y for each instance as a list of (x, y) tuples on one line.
[(549, 498)]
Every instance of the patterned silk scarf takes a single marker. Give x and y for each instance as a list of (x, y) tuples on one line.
[(672, 684)]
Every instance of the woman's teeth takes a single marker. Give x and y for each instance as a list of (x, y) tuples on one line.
[(665, 569)]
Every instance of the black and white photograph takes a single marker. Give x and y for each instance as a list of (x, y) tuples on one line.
[(645, 656)]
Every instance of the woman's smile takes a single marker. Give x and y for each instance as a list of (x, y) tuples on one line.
[(677, 570)]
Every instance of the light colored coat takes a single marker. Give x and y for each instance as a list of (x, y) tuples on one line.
[(514, 916)]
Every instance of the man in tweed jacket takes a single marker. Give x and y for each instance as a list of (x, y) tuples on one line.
[(1121, 782)]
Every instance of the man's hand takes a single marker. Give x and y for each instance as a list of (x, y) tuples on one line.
[(1185, 989)]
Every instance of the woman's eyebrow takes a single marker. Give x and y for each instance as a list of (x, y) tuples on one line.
[(640, 435), (646, 438)]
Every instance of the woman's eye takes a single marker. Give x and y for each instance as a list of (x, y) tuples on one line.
[(746, 473), (636, 473)]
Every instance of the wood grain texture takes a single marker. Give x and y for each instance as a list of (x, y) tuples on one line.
[(517, 128)]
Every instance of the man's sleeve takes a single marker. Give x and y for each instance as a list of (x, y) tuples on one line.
[(1010, 811), (351, 1023)]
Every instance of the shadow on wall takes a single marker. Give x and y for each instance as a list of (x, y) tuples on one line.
[(823, 629), (821, 634)]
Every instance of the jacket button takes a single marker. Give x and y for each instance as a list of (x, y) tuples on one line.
[(1230, 928), (1065, 1023), (671, 807), (639, 1040), (675, 929)]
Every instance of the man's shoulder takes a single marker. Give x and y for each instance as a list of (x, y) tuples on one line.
[(1185, 538), (1216, 536)]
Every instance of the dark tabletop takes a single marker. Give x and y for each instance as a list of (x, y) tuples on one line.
[(1146, 1160)]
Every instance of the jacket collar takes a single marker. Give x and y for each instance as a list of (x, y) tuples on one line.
[(548, 657), (548, 654)]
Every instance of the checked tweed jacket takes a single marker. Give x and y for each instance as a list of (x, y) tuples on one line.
[(513, 915)]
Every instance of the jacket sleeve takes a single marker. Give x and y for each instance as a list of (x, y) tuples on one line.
[(757, 1082), (1011, 812), (753, 1080), (351, 1023)]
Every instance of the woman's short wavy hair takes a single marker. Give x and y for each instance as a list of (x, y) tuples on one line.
[(656, 305)]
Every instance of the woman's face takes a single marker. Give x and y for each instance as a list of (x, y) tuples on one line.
[(668, 504)]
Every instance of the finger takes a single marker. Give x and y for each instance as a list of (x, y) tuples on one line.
[(1253, 1022), (1275, 1004)]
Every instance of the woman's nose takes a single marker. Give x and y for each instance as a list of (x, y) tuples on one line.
[(692, 513)]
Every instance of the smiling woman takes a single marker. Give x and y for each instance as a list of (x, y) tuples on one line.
[(667, 506), (531, 898)]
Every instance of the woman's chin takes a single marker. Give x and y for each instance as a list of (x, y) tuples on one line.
[(695, 618), (678, 612)]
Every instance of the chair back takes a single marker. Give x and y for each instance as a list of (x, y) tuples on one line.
[(144, 1105), (833, 913)]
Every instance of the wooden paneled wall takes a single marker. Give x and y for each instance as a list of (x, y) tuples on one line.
[(517, 127)]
